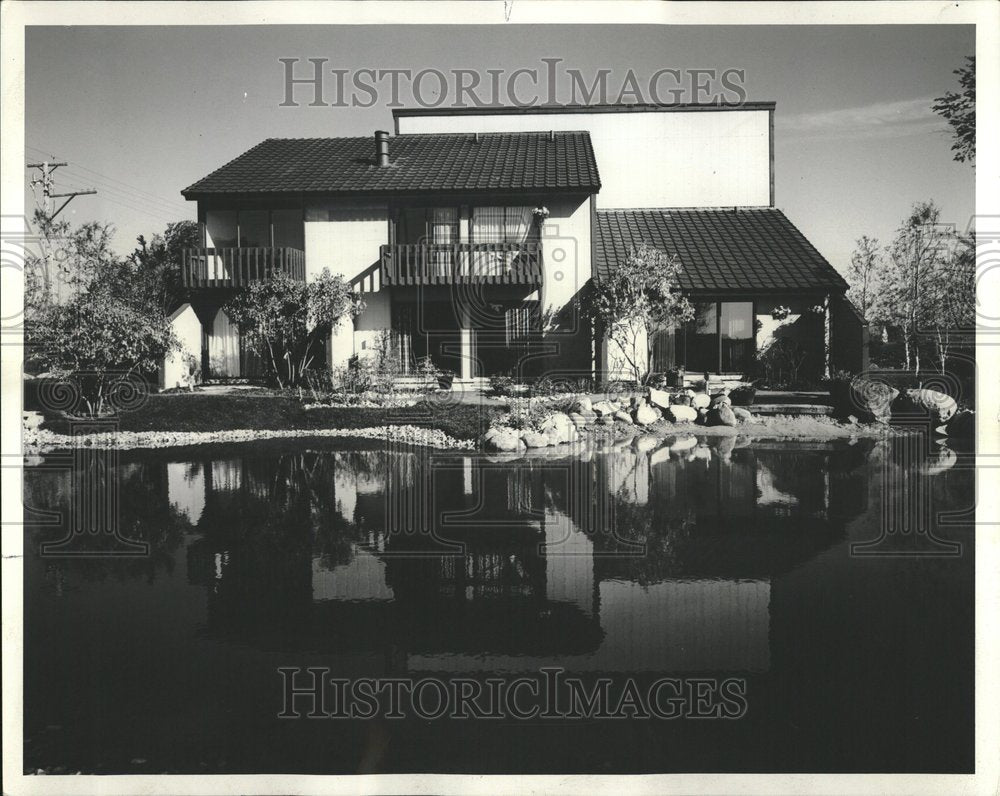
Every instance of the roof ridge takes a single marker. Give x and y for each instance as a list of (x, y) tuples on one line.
[(462, 134), (713, 209)]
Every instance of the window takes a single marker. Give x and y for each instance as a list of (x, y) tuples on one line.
[(255, 228), (220, 228), (720, 339), (442, 225), (521, 323), (288, 228), (702, 348), (442, 230), (736, 336), (501, 224)]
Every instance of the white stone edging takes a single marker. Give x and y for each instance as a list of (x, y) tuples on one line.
[(41, 439)]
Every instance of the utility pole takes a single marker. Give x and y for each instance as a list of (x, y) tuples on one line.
[(45, 180)]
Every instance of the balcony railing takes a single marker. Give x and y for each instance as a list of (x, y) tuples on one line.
[(459, 263), (236, 267)]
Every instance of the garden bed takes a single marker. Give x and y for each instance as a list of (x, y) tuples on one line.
[(199, 413)]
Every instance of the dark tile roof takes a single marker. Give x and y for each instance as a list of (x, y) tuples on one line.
[(561, 161), (720, 249)]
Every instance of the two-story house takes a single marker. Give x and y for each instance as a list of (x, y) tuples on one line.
[(471, 235)]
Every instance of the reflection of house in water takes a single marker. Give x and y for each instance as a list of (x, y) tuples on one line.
[(186, 489), (653, 560)]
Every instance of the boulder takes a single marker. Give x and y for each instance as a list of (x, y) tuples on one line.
[(645, 415), (559, 429), (724, 448), (742, 415), (941, 406), (721, 415), (679, 413), (722, 398), (563, 436), (962, 425), (701, 400), (502, 440), (935, 464), (624, 417), (534, 439), (702, 418), (604, 408), (584, 405), (683, 444), (869, 400), (659, 398), (646, 443), (33, 420), (606, 420), (556, 420)]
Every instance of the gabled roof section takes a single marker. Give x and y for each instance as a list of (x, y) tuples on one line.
[(501, 162), (734, 249)]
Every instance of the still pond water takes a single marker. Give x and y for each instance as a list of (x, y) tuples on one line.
[(704, 559)]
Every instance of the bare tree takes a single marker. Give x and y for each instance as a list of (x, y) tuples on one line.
[(864, 275), (640, 297)]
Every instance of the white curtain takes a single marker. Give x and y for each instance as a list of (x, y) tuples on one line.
[(518, 224), (499, 225), (224, 347), (487, 224)]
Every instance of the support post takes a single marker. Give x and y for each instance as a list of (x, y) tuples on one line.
[(465, 346), (827, 338)]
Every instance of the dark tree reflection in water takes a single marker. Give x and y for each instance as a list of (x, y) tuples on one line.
[(681, 558)]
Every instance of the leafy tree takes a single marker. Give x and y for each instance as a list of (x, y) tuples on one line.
[(284, 321), (67, 261), (98, 341), (913, 257), (639, 298), (950, 298), (958, 108), (93, 317), (923, 284), (157, 265)]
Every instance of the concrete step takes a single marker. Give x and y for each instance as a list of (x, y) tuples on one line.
[(790, 409)]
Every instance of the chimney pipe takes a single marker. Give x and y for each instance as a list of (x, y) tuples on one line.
[(381, 148)]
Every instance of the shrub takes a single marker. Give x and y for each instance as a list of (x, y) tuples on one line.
[(284, 321), (743, 395), (99, 345), (780, 363), (501, 385), (526, 415), (867, 399)]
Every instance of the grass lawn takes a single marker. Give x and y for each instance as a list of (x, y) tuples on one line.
[(231, 411)]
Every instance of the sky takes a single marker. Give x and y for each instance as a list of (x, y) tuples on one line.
[(139, 113)]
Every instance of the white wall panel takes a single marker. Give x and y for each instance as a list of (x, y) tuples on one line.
[(701, 158)]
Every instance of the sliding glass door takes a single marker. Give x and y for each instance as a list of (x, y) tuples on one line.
[(720, 339), (736, 336)]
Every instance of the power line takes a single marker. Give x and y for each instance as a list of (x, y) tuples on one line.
[(141, 204), (126, 188)]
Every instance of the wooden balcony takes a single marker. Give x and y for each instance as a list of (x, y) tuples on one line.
[(462, 263), (237, 267)]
